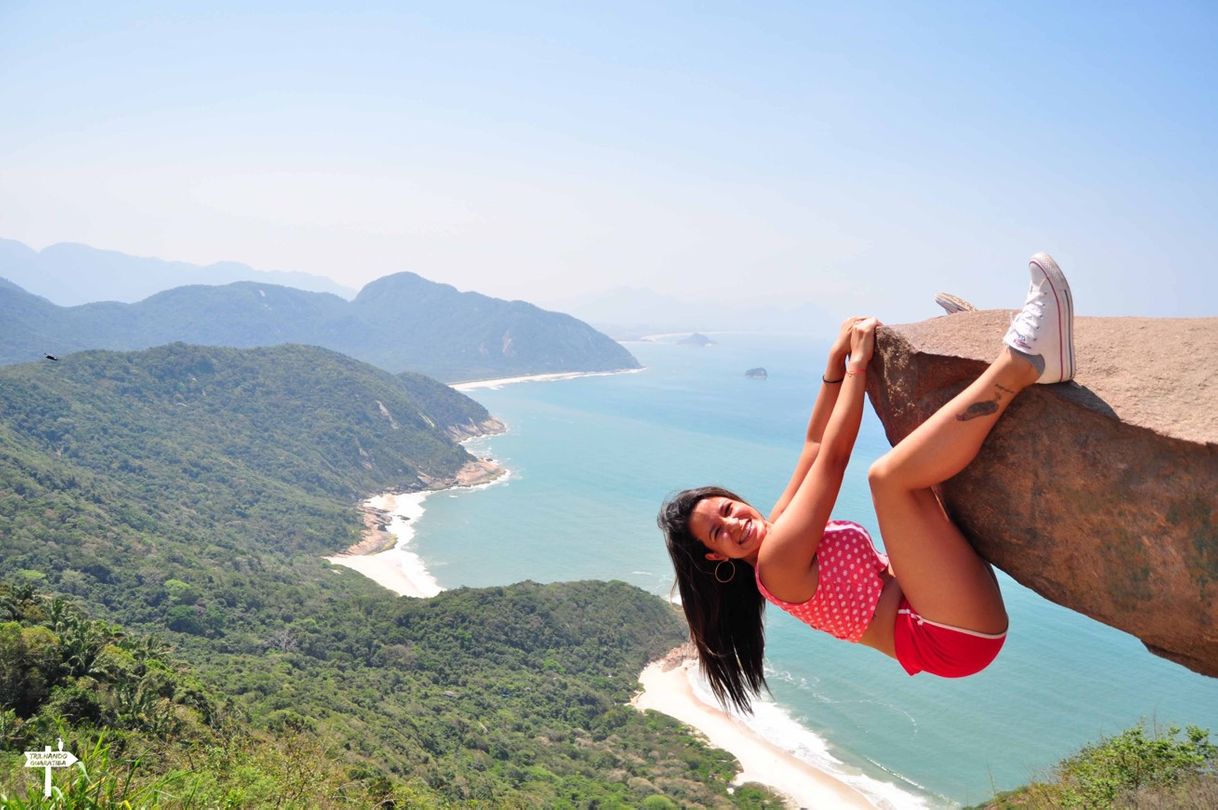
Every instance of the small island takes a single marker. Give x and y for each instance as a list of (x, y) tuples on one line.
[(757, 374), (696, 339)]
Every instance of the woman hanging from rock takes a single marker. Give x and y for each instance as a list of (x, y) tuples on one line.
[(931, 602)]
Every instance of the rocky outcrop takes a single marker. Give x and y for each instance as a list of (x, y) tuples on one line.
[(1100, 494), (472, 430), (376, 536)]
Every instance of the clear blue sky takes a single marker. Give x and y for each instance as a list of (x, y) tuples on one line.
[(859, 156)]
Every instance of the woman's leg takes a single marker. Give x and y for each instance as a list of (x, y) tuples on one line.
[(936, 567), (938, 570)]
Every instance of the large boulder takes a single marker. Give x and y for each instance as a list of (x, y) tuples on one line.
[(1100, 494)]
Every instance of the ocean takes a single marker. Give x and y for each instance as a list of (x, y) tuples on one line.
[(591, 459)]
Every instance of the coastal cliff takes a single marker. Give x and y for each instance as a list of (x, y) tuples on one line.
[(1100, 494)]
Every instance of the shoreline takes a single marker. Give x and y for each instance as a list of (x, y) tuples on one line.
[(473, 385), (397, 568), (667, 688), (383, 554)]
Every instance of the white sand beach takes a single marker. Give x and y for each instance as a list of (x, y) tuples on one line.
[(667, 689), (399, 569), (568, 375)]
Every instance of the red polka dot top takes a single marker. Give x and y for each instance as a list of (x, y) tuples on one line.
[(849, 585)]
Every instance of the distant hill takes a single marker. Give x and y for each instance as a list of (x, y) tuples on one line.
[(696, 339), (69, 274), (434, 329), (132, 467), (328, 424), (400, 323)]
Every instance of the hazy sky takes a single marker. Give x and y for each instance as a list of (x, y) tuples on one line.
[(858, 156)]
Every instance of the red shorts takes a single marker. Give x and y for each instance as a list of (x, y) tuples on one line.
[(940, 649)]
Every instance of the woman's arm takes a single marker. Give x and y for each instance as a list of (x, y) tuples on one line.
[(792, 541), (831, 386)]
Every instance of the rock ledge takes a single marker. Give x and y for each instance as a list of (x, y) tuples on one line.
[(1100, 494)]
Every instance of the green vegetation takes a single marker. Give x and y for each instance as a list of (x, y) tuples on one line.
[(399, 322), (186, 495), (222, 469), (1131, 770), (507, 697), (144, 726)]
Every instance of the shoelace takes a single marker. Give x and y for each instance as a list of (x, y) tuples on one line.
[(1027, 323)]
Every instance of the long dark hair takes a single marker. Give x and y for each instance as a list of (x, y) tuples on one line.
[(724, 617)]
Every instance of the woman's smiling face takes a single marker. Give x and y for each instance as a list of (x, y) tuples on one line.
[(730, 529)]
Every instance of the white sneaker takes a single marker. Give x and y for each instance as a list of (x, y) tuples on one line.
[(1045, 325), (953, 303)]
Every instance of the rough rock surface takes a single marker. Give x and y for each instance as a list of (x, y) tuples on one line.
[(1100, 494)]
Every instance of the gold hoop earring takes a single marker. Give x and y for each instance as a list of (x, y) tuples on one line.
[(730, 576)]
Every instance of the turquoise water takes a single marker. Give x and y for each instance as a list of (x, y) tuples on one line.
[(592, 458)]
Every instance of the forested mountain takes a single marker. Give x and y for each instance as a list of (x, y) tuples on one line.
[(69, 274), (436, 330), (192, 492), (401, 323), (24, 323), (192, 458)]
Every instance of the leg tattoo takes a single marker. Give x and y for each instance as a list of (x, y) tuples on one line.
[(978, 409), (986, 407)]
